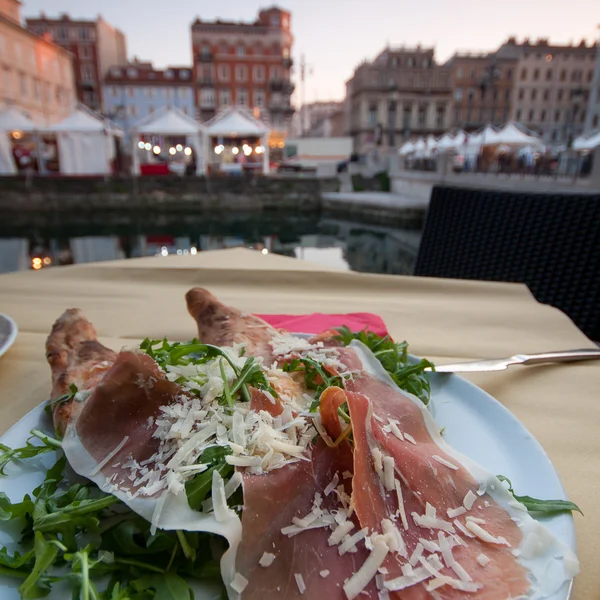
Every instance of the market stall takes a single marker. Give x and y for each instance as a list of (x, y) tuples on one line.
[(238, 142), (86, 143), (18, 142), (168, 141)]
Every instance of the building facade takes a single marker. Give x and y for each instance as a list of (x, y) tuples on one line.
[(592, 118), (401, 94), (482, 89), (95, 45), (137, 90), (319, 116), (245, 64), (36, 75), (552, 86)]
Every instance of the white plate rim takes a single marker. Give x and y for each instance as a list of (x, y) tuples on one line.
[(12, 336)]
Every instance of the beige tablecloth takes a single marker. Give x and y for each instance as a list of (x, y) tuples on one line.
[(442, 319)]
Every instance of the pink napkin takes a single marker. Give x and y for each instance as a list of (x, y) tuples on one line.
[(319, 322)]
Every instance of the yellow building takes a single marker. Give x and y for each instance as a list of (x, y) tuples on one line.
[(36, 75)]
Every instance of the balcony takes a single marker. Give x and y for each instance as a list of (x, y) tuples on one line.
[(281, 85), (207, 103), (288, 63), (281, 107), (206, 82), (205, 57)]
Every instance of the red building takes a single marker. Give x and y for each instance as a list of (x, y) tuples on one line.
[(245, 64), (96, 46)]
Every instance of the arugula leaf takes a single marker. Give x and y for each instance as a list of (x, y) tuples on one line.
[(169, 586), (541, 506), (29, 450), (10, 511), (17, 560), (45, 555), (316, 377), (198, 488), (393, 357)]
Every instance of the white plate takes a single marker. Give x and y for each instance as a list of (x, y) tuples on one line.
[(8, 333), (475, 424)]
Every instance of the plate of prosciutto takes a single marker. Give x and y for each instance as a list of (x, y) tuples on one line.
[(254, 463)]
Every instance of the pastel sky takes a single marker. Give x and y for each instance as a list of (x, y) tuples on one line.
[(336, 35)]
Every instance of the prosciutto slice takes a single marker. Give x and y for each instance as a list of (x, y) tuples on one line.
[(270, 504)]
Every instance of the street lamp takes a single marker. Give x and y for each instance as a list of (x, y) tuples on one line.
[(491, 74), (392, 113)]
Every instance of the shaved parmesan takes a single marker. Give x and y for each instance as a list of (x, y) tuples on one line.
[(349, 544), (485, 536), (266, 560), (239, 583), (377, 460), (463, 586), (432, 522), (456, 512), (109, 456), (300, 582), (410, 438), (444, 462), (359, 581), (406, 581), (476, 520), (462, 528), (394, 429), (429, 545), (222, 511), (417, 552), (401, 509), (332, 485), (324, 573), (388, 473), (483, 560), (340, 532), (394, 538), (469, 500)]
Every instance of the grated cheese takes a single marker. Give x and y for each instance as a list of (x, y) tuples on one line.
[(222, 511), (483, 560), (429, 522), (394, 538), (349, 544), (300, 582), (429, 545), (388, 473), (359, 581), (377, 461), (239, 583), (401, 509), (463, 586), (476, 520), (410, 438), (332, 485), (324, 573), (109, 456), (340, 532), (417, 552), (456, 512), (266, 560), (485, 536), (469, 500), (444, 462), (462, 528)]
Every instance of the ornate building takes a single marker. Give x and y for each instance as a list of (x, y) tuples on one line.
[(245, 64), (401, 94)]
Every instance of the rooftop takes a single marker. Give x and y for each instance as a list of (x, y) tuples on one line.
[(144, 73)]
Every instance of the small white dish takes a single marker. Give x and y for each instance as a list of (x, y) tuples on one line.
[(8, 333)]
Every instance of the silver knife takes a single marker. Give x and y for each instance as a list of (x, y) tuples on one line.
[(499, 364)]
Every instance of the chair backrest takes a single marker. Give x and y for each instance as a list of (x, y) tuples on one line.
[(551, 242)]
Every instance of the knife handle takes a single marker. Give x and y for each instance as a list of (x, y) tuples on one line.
[(564, 356)]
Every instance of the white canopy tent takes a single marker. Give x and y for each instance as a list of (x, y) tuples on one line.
[(12, 120), (235, 122), (86, 144), (589, 143), (420, 148), (511, 135), (406, 148), (169, 121)]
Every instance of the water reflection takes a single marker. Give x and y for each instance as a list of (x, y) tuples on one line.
[(332, 243)]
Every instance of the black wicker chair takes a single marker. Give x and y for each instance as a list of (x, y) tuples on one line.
[(551, 242)]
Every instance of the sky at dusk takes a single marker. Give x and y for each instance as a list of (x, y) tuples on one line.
[(336, 35)]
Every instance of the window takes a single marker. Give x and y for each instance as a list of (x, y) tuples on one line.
[(440, 116), (274, 73), (595, 121), (18, 56), (410, 62), (258, 50), (242, 97), (207, 97), (372, 118), (205, 51), (521, 94), (224, 48), (85, 52), (523, 74), (87, 72), (507, 95), (114, 91), (549, 75), (241, 73), (23, 83), (590, 76), (62, 33), (149, 91), (422, 116), (457, 112), (533, 94), (184, 74), (7, 81), (471, 94), (259, 98), (258, 73), (536, 74), (576, 75), (406, 116), (546, 94), (557, 116), (130, 92), (509, 74), (559, 95), (473, 74), (458, 94), (240, 50), (132, 111), (495, 95), (531, 115), (37, 89), (224, 98), (84, 33), (543, 115), (460, 73), (224, 73), (169, 74), (563, 75)]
